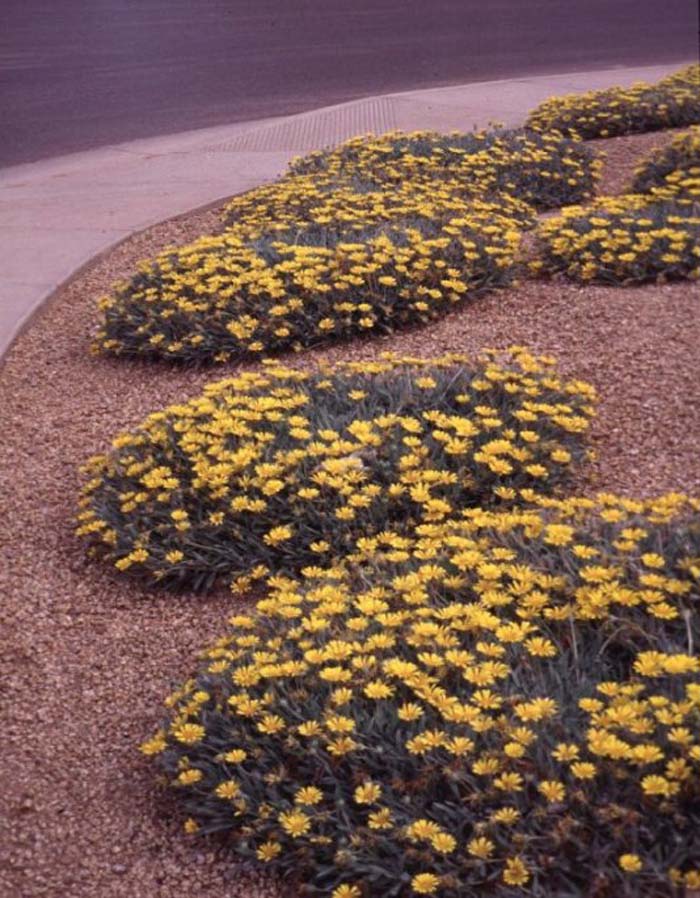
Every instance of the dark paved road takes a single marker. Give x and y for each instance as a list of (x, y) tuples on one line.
[(76, 74)]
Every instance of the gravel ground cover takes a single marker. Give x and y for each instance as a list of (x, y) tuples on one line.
[(87, 657)]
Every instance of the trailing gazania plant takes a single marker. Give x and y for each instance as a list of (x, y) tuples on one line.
[(623, 240), (670, 103), (349, 203), (544, 170), (227, 297), (272, 470), (673, 171), (381, 233), (498, 705)]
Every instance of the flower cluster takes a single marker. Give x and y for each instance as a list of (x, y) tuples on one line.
[(672, 102), (276, 469), (672, 171), (380, 233), (624, 240), (230, 297), (503, 703), (544, 170)]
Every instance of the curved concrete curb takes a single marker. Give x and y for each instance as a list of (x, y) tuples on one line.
[(57, 215)]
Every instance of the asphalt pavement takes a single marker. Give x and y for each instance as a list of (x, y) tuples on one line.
[(79, 74)]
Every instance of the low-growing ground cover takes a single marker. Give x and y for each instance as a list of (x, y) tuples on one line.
[(224, 297), (375, 235), (670, 103), (623, 240), (544, 170), (504, 704), (278, 469), (673, 170)]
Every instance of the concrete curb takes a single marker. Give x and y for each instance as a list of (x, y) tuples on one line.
[(58, 215)]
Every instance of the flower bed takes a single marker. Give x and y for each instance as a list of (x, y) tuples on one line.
[(378, 234), (224, 297), (544, 170), (504, 704), (626, 240), (672, 171), (279, 469), (670, 103)]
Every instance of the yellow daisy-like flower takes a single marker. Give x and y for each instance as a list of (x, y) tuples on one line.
[(425, 883), (515, 872), (346, 891), (295, 823), (380, 819), (308, 795), (268, 851), (481, 847), (229, 789), (189, 733), (552, 790), (444, 843), (630, 863), (367, 793)]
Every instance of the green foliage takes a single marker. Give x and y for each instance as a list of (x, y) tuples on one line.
[(625, 240), (673, 102), (381, 233), (278, 469), (505, 704), (544, 170), (225, 297), (673, 170)]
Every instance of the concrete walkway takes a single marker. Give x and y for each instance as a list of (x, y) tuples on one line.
[(56, 215)]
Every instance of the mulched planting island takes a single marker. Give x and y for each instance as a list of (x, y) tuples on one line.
[(87, 657)]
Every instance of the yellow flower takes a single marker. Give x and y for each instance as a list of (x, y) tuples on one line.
[(277, 535), (189, 733), (515, 873), (308, 795), (481, 847), (659, 785), (583, 770), (380, 819), (268, 851), (154, 746), (295, 823), (425, 883), (346, 891), (443, 843), (552, 790), (630, 863), (507, 816), (367, 793), (235, 756), (227, 790)]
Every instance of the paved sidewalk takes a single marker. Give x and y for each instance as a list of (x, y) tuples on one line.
[(55, 215)]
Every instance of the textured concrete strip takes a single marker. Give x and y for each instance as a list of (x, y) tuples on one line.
[(310, 131), (57, 214)]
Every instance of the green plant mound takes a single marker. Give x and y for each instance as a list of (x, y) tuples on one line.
[(503, 705), (672, 171), (348, 204), (228, 297), (544, 170), (279, 469), (672, 102), (381, 233), (626, 240)]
